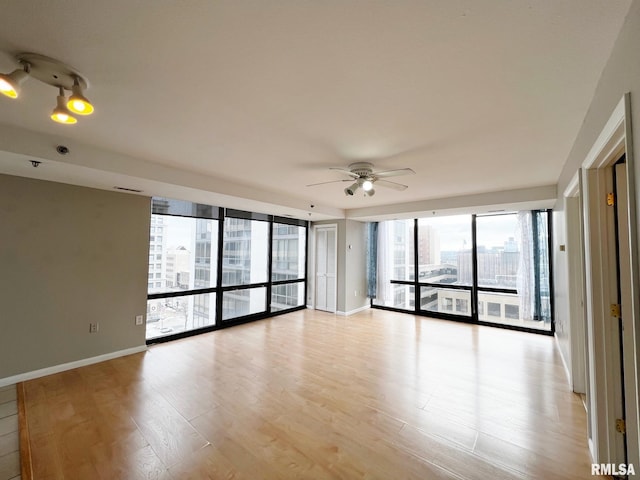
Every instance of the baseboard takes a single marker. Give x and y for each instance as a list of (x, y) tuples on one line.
[(351, 312), (343, 314), (566, 368), (69, 366)]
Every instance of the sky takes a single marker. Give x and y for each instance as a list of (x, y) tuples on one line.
[(455, 230)]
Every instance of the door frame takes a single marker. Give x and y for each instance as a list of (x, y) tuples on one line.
[(604, 443), (314, 260), (575, 277)]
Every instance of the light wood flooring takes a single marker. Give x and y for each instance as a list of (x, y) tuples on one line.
[(309, 395)]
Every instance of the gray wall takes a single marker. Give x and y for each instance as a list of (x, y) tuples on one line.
[(342, 275), (69, 255), (560, 279), (621, 74), (355, 266)]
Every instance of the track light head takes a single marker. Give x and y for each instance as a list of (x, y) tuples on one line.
[(77, 102), (10, 84), (61, 113)]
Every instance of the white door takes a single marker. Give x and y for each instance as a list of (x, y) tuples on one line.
[(626, 315), (606, 285), (575, 260), (326, 266), (611, 285), (616, 287)]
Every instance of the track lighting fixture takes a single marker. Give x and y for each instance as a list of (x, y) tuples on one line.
[(54, 73)]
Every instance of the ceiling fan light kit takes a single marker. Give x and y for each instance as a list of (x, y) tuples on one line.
[(349, 191), (363, 176), (57, 74)]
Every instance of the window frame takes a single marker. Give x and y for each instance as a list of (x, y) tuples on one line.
[(179, 208), (474, 288)]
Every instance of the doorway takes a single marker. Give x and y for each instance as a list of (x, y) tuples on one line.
[(575, 277), (326, 264), (611, 275)]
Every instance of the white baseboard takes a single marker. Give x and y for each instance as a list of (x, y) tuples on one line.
[(566, 368), (351, 312), (69, 366)]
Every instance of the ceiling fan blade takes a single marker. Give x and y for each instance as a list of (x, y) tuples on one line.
[(388, 184), (348, 172), (331, 181), (394, 173)]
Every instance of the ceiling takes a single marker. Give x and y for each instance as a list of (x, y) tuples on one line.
[(251, 100)]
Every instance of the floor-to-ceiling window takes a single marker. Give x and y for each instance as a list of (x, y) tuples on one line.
[(513, 269), (445, 265), (245, 259), (210, 267), (492, 268), (397, 277), (288, 262)]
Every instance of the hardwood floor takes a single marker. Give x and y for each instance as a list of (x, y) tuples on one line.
[(311, 395)]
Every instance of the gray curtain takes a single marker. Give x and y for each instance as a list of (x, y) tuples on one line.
[(372, 259), (533, 269), (542, 308)]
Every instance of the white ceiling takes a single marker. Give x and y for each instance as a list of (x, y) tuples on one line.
[(257, 99)]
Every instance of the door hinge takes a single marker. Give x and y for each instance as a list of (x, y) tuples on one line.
[(620, 425), (611, 199), (615, 310)]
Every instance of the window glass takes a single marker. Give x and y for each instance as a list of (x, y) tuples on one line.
[(445, 300), (513, 255), (245, 252), (288, 252), (186, 253), (445, 250), (395, 262), (400, 236), (289, 295), (498, 250), (494, 309), (242, 302), (168, 316)]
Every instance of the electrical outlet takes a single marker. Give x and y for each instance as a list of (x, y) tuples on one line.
[(93, 327), (139, 319)]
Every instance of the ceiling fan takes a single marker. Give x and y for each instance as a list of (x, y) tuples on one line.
[(363, 176)]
